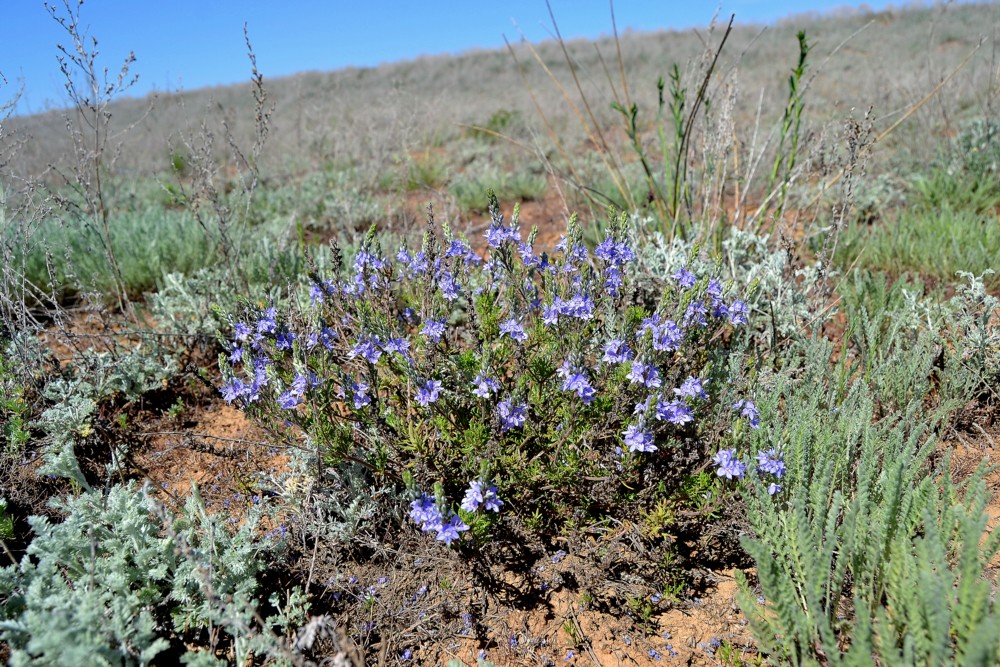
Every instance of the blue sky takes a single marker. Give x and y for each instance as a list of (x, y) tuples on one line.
[(188, 44)]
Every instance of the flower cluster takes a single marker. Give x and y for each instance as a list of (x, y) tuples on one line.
[(768, 462), (477, 496), (427, 512), (433, 359)]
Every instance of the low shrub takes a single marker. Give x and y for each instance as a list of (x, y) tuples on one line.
[(523, 381)]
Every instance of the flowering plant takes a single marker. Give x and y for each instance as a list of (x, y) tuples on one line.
[(545, 378)]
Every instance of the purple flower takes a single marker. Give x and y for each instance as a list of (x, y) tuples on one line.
[(581, 306), (617, 351), (367, 348), (448, 532), (359, 392), (614, 253), (241, 332), (730, 467), (650, 324), (514, 329), (268, 322), (288, 400), (748, 411), (613, 281), (449, 288), (691, 388), (773, 488), (550, 314), (302, 383), (433, 329), (511, 416), (316, 294), (667, 337), (638, 440), (482, 386), (575, 379), (429, 392), (685, 278), (476, 496), (695, 314), (458, 249), (491, 501), (233, 390), (675, 412), (714, 289), (527, 253), (645, 374), (400, 345), (424, 510), (284, 339), (473, 496), (770, 461), (642, 408), (738, 312)]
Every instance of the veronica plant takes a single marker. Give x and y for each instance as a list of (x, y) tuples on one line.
[(541, 377)]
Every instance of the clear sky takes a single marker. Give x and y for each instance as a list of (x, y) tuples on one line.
[(188, 44)]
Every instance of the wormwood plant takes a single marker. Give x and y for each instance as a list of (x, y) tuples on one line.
[(526, 380), (120, 579)]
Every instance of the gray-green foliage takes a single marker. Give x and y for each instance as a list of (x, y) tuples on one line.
[(870, 552), (343, 508), (128, 372), (780, 296), (87, 592), (97, 588)]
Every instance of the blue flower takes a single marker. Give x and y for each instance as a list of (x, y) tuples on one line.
[(359, 394), (667, 336), (433, 329), (473, 496), (483, 386), (233, 390), (730, 467), (614, 253), (695, 314), (367, 348), (770, 461), (675, 412), (691, 388), (514, 329), (288, 400), (773, 488), (448, 532), (645, 374), (491, 501), (268, 322), (613, 281), (738, 312), (241, 332), (550, 314), (638, 440), (616, 351), (579, 383), (685, 278), (429, 392), (449, 288), (424, 510), (284, 339), (511, 416), (748, 411)]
